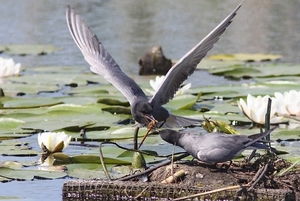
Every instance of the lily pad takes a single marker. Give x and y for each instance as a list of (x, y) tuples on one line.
[(115, 133), (182, 102), (117, 110), (64, 159), (109, 101), (59, 118), (19, 152), (245, 57), (11, 164), (272, 70), (10, 123), (86, 170), (212, 64), (24, 174), (14, 89), (237, 91), (29, 103), (23, 50)]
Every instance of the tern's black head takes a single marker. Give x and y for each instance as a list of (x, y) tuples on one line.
[(170, 136), (142, 112)]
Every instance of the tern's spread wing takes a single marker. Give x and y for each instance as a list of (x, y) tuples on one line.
[(100, 60), (187, 64)]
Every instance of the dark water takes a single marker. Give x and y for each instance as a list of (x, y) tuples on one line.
[(128, 28)]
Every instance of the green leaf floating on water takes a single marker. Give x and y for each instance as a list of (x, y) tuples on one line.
[(68, 117), (36, 49), (271, 70), (110, 101), (212, 64), (116, 133), (24, 174), (10, 123), (11, 164), (12, 89), (18, 152), (86, 170), (237, 91), (182, 102), (117, 110), (245, 57), (65, 159), (22, 103)]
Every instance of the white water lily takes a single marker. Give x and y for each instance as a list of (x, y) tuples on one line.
[(52, 142), (155, 84), (290, 102), (255, 109), (8, 67)]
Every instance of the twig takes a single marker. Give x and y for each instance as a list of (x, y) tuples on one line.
[(141, 193), (260, 176), (173, 177), (256, 176), (285, 184), (288, 169), (267, 127), (142, 152), (152, 168), (210, 192), (103, 163), (267, 118)]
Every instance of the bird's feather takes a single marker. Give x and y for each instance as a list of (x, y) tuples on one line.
[(100, 60), (188, 63)]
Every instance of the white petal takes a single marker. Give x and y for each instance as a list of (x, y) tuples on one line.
[(8, 67), (184, 89), (51, 139)]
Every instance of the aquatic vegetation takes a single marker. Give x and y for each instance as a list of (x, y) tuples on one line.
[(8, 67), (155, 84), (255, 109), (53, 142), (290, 102)]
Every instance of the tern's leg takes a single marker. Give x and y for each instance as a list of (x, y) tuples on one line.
[(135, 138)]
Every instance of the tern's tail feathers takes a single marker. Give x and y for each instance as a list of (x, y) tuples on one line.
[(174, 121), (258, 137)]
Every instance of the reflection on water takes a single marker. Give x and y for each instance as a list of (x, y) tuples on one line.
[(130, 27)]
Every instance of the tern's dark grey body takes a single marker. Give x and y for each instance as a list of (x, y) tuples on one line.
[(214, 147), (142, 108)]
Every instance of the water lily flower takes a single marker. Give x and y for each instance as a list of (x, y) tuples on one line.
[(52, 142), (8, 67), (155, 84), (290, 102), (255, 109)]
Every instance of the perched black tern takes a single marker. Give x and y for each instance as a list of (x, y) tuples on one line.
[(214, 147), (143, 110)]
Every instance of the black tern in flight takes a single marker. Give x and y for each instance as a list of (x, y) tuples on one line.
[(143, 110), (214, 147)]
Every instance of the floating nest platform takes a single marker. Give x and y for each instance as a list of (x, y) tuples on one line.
[(126, 190), (242, 181)]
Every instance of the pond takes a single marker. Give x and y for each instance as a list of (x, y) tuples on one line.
[(128, 29)]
